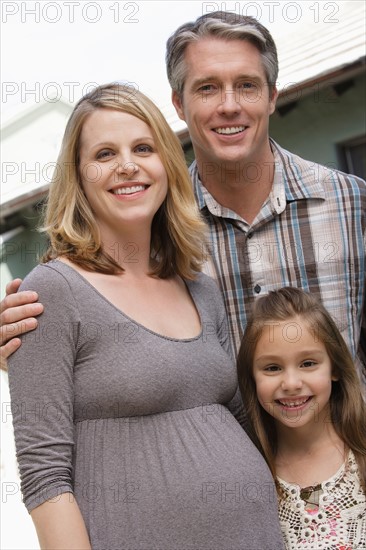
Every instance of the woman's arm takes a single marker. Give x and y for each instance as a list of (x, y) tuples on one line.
[(60, 525), (41, 382)]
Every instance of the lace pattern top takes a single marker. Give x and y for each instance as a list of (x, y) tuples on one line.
[(339, 520)]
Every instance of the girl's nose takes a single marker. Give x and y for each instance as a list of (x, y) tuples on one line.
[(291, 381)]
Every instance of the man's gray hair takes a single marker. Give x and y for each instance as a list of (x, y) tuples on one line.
[(226, 26)]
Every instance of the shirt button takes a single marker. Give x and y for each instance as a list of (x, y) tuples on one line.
[(250, 235), (257, 289)]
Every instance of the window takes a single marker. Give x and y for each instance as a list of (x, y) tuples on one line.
[(352, 156)]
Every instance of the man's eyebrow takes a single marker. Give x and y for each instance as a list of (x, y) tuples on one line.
[(211, 78), (205, 80)]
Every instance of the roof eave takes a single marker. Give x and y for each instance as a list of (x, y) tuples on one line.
[(328, 78)]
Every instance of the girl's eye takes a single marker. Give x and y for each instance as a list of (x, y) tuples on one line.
[(308, 363), (271, 368)]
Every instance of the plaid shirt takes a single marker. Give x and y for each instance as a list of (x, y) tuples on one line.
[(310, 233)]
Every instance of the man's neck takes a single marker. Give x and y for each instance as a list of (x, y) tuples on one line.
[(241, 187)]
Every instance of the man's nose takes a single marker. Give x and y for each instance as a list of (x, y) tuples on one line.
[(229, 102)]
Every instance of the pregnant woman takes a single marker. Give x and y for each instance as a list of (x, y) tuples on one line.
[(122, 395)]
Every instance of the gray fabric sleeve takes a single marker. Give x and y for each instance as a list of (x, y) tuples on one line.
[(235, 406), (41, 389)]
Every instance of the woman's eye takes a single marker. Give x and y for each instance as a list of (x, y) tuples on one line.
[(104, 154), (144, 149)]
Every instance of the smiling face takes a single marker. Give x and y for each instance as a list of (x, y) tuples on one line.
[(226, 102), (122, 175), (293, 374)]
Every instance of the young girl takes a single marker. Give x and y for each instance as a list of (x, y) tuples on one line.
[(307, 417)]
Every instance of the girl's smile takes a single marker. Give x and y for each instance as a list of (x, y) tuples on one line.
[(293, 373)]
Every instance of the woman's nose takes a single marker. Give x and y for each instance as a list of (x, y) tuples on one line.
[(127, 167)]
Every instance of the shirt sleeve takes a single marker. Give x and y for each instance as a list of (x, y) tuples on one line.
[(362, 346), (42, 392)]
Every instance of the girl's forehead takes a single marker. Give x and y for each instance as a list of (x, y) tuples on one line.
[(294, 329)]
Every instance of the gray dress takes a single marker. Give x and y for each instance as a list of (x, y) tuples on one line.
[(135, 425)]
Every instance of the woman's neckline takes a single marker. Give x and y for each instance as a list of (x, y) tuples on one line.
[(129, 318)]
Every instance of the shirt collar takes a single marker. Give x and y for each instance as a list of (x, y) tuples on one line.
[(206, 200), (294, 179), (299, 178)]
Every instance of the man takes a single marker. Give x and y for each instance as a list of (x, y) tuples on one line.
[(274, 218)]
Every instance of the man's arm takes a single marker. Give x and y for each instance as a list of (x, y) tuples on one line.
[(17, 312)]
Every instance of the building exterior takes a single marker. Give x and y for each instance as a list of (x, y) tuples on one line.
[(30, 143)]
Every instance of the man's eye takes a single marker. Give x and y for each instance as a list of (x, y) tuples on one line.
[(207, 88), (248, 85)]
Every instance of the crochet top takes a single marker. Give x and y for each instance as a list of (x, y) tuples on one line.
[(336, 522)]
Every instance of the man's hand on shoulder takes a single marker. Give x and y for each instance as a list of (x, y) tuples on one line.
[(17, 315)]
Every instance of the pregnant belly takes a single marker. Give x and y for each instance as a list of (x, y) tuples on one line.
[(183, 479)]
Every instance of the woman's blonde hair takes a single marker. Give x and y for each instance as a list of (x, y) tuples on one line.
[(347, 407), (177, 234)]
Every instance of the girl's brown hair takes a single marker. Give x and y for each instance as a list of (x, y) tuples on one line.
[(347, 406), (178, 232)]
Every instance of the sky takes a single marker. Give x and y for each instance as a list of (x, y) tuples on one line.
[(54, 48), (75, 44)]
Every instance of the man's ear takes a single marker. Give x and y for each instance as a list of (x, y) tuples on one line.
[(177, 102), (273, 100)]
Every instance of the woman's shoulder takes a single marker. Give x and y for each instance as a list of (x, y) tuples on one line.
[(207, 288), (205, 284), (48, 278), (207, 295)]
